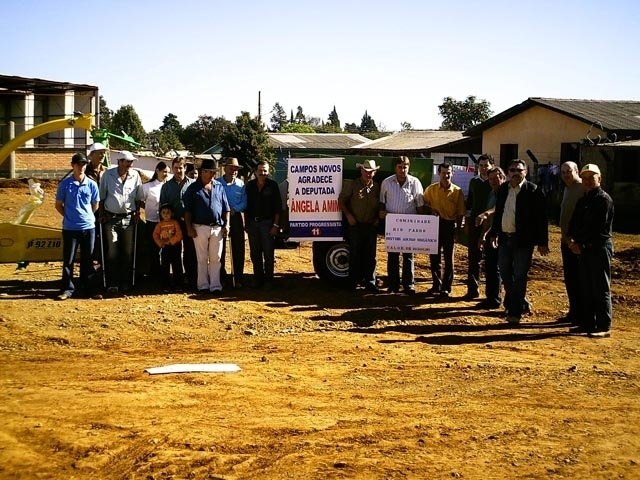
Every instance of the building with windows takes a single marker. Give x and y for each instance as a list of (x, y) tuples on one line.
[(29, 102)]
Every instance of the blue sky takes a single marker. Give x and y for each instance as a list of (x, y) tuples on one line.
[(397, 60)]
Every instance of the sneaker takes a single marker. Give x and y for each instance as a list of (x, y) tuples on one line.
[(444, 294), (410, 291), (97, 296), (63, 296), (600, 334), (433, 292)]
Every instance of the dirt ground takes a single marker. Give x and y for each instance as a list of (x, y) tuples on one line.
[(333, 384)]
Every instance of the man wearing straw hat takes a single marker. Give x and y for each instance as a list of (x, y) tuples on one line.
[(237, 198), (359, 200)]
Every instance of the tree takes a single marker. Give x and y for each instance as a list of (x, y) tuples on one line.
[(333, 119), (279, 118), (406, 126), (126, 120), (351, 128), (300, 118), (204, 133), (461, 115), (106, 114), (367, 124), (297, 128), (170, 123), (247, 140), (161, 141)]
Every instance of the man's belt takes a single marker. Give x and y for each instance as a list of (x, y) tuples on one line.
[(119, 215)]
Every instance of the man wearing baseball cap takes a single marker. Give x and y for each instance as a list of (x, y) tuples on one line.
[(590, 238), (95, 169), (77, 199)]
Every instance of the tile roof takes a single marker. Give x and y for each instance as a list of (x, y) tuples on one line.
[(413, 140), (316, 141)]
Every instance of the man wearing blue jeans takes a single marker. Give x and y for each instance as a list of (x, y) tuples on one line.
[(519, 224), (401, 193), (77, 200), (262, 217)]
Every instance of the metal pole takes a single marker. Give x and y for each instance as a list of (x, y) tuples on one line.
[(104, 269), (12, 156), (135, 248)]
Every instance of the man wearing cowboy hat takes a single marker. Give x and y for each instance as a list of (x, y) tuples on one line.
[(359, 200), (237, 198)]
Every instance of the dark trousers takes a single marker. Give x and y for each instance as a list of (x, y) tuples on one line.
[(71, 240), (171, 263), (153, 252), (236, 237), (595, 286), (363, 239), (475, 258), (189, 260), (570, 267), (492, 273), (118, 242), (514, 262), (446, 233), (393, 270), (262, 249)]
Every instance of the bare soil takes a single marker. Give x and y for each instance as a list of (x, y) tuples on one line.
[(333, 384)]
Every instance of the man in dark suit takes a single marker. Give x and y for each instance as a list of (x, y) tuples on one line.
[(519, 224)]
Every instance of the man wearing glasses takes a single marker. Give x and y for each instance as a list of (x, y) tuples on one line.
[(519, 224)]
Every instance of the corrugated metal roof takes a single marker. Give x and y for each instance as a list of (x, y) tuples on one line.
[(609, 114), (628, 143), (413, 140), (316, 141), (36, 85)]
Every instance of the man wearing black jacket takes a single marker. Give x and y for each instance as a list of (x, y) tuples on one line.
[(590, 239), (519, 224)]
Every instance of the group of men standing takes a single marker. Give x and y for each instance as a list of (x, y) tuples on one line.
[(207, 210), (505, 221)]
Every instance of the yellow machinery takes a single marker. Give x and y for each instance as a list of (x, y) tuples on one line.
[(20, 242)]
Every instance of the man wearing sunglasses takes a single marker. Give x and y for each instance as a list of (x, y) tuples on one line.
[(519, 224)]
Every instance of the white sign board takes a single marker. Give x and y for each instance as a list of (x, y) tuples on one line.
[(314, 186), (408, 233)]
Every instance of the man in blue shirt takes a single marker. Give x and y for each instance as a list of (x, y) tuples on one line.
[(77, 200), (206, 214), (237, 198)]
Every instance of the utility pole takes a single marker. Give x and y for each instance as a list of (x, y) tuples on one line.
[(259, 108)]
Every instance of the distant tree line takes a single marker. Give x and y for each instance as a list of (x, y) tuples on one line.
[(246, 137)]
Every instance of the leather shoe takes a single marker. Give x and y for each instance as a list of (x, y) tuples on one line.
[(433, 292)]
